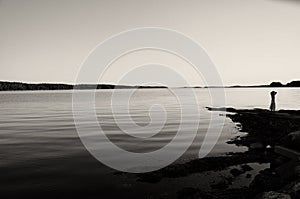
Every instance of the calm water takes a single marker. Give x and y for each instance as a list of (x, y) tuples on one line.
[(40, 151)]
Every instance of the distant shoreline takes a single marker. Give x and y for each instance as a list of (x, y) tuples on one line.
[(20, 86)]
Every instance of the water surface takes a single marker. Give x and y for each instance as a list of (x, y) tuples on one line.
[(40, 150)]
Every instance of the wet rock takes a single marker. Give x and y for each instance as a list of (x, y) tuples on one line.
[(204, 164), (246, 168), (292, 189), (292, 140), (188, 192), (268, 127), (192, 193), (221, 184), (256, 145), (278, 161), (297, 171), (221, 109), (236, 172), (274, 129), (273, 195), (267, 181)]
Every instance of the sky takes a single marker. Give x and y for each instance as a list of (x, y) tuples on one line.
[(249, 41)]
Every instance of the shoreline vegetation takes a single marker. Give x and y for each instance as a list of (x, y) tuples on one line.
[(19, 86), (271, 137)]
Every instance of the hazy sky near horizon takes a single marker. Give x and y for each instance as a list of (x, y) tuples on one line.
[(250, 41)]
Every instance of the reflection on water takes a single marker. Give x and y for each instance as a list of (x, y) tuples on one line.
[(40, 148)]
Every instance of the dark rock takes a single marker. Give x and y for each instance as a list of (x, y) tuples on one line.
[(204, 164), (265, 127), (278, 161), (221, 109), (192, 193), (267, 181), (241, 193), (221, 184), (256, 145), (268, 128), (292, 140), (273, 195), (293, 189), (236, 172), (246, 167)]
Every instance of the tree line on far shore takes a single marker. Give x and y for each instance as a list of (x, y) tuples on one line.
[(19, 86), (15, 86)]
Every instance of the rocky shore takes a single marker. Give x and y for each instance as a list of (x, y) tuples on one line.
[(266, 128), (272, 137), (277, 135)]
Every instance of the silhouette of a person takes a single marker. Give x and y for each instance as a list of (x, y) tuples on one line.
[(273, 104)]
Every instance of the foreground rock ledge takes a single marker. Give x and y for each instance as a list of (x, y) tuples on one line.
[(265, 131), (265, 127)]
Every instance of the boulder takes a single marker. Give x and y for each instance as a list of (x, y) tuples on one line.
[(236, 172), (274, 195), (292, 140), (267, 180), (246, 168), (221, 184), (256, 145), (292, 189), (295, 137)]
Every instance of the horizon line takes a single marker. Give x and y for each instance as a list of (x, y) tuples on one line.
[(130, 85)]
